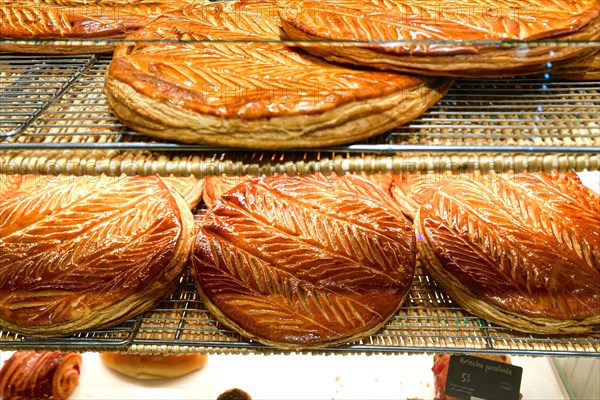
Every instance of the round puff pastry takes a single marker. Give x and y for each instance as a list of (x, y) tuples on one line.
[(246, 92), (76, 19), (301, 262), (82, 253), (522, 251), (453, 25)]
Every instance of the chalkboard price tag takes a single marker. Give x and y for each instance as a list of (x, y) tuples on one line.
[(473, 377)]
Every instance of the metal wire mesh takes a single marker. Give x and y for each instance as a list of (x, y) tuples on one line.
[(56, 103), (59, 99), (429, 321)]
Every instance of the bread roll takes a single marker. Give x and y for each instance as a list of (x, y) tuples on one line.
[(148, 367)]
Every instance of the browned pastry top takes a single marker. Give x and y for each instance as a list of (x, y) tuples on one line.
[(398, 20), (215, 186), (304, 261), (190, 188), (75, 245), (527, 243), (48, 19), (242, 79)]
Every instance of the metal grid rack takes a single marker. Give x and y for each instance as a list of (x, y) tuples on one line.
[(428, 322), (56, 104), (53, 108)]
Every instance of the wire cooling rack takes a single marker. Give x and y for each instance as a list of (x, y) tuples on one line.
[(428, 322), (52, 111), (54, 104)]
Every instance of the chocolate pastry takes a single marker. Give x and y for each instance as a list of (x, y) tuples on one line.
[(46, 375)]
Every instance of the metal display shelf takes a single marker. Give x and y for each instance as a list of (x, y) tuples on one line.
[(54, 118), (428, 322), (52, 109)]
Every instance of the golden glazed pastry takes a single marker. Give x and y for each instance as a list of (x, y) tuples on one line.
[(190, 187), (521, 250), (76, 19), (300, 262), (47, 375), (431, 20), (216, 186), (252, 94), (84, 253)]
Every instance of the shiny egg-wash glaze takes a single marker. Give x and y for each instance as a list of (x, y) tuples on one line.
[(432, 38), (236, 84), (522, 250), (55, 20), (301, 262), (82, 253)]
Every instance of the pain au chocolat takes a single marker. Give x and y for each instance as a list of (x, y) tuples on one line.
[(301, 262), (243, 87), (471, 38), (521, 250), (51, 22), (82, 253)]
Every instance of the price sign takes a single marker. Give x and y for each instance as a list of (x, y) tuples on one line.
[(473, 377)]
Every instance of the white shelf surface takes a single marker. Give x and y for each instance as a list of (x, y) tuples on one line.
[(280, 377)]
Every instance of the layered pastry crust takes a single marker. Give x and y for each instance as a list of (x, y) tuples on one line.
[(50, 20), (83, 253), (190, 187), (250, 93), (414, 24), (300, 262), (522, 251), (582, 69)]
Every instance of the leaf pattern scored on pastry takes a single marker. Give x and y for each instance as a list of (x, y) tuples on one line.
[(397, 20), (304, 261), (527, 243), (75, 245), (243, 71), (80, 19)]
